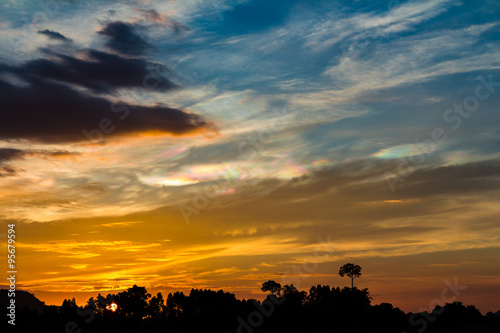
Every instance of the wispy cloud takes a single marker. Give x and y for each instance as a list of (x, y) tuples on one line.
[(395, 18)]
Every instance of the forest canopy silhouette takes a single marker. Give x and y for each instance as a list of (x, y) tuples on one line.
[(285, 309)]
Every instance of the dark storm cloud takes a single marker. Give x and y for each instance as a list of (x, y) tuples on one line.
[(124, 38), (102, 72), (53, 35), (48, 106), (57, 113), (99, 71), (6, 171), (7, 154)]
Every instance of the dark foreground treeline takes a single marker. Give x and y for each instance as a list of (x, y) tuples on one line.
[(322, 309)]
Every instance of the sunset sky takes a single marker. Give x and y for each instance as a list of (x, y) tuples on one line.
[(220, 144)]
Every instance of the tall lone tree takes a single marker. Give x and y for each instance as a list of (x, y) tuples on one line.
[(352, 271)]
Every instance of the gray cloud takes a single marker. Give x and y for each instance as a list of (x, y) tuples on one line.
[(58, 110), (54, 35), (124, 38)]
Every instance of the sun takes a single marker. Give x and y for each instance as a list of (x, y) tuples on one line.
[(112, 307)]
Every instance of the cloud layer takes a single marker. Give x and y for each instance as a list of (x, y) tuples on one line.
[(63, 105)]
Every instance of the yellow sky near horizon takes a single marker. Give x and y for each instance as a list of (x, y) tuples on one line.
[(405, 261)]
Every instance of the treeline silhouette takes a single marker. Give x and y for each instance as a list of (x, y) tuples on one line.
[(285, 309)]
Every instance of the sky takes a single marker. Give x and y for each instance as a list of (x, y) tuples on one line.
[(220, 144)]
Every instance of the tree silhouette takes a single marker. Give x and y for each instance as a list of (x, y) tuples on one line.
[(156, 308), (133, 302), (67, 311), (175, 305), (351, 270), (322, 309), (272, 286)]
